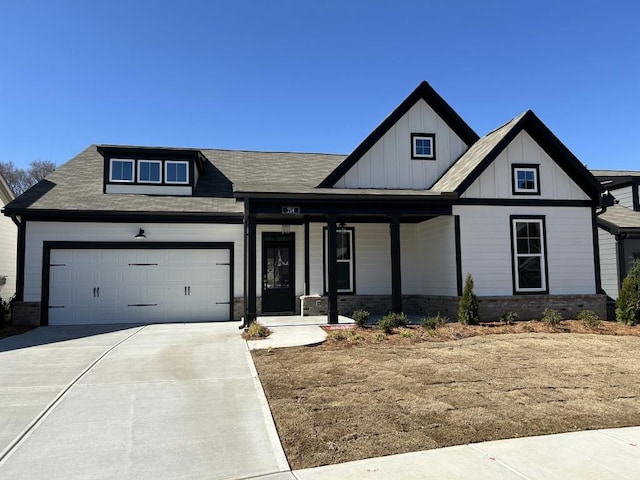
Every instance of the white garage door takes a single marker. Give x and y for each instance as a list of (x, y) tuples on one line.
[(131, 286)]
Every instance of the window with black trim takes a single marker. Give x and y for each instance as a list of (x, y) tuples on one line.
[(423, 146), (529, 256), (526, 179), (121, 170), (345, 260)]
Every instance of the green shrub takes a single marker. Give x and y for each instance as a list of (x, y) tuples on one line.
[(256, 330), (381, 337), (468, 308), (406, 333), (360, 317), (392, 320), (628, 303), (508, 317), (432, 322), (551, 317), (589, 319)]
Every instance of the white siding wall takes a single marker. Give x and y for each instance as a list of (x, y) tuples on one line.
[(624, 196), (389, 165), (437, 257), (372, 257), (8, 248), (496, 180), (38, 232), (427, 258), (608, 263), (486, 248)]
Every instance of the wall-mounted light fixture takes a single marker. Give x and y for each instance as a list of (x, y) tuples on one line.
[(140, 235)]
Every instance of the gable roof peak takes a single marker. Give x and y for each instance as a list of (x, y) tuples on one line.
[(423, 91)]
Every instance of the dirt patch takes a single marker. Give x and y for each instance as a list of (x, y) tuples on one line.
[(365, 396)]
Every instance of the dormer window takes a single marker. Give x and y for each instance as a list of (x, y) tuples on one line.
[(526, 179), (423, 146), (176, 172), (121, 170), (149, 171)]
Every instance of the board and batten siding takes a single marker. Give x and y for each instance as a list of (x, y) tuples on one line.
[(39, 232), (486, 248), (608, 263), (624, 195), (497, 181), (8, 249), (388, 163)]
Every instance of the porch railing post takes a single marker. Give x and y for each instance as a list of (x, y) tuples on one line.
[(332, 271), (396, 270)]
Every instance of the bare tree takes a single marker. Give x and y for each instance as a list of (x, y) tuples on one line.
[(20, 179)]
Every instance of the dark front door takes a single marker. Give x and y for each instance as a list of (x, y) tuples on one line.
[(278, 279)]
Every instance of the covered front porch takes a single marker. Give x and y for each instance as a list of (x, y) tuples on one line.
[(340, 254)]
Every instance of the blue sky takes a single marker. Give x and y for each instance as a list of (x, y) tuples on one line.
[(310, 76)]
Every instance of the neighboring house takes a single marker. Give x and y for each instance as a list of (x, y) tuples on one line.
[(139, 234), (8, 245), (619, 228)]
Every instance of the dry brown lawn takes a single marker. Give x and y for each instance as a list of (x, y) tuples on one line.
[(364, 395)]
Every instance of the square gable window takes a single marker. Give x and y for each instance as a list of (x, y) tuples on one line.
[(149, 171), (526, 179), (423, 146), (121, 170), (176, 172)]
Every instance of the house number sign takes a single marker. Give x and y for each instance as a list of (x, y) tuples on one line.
[(290, 210)]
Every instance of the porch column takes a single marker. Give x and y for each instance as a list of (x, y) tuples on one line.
[(332, 271), (396, 270), (250, 310)]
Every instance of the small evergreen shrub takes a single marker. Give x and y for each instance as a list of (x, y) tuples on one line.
[(392, 320), (628, 303), (432, 322), (508, 317), (257, 331), (551, 317), (381, 337), (589, 319), (468, 308), (360, 317)]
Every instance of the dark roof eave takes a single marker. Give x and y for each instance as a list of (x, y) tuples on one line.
[(345, 195), (118, 214)]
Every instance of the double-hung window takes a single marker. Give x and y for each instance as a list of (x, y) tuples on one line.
[(176, 172), (121, 170), (529, 256), (526, 179), (344, 260)]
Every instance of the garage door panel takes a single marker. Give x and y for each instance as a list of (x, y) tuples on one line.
[(181, 285)]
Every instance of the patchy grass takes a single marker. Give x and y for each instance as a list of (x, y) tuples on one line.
[(348, 400)]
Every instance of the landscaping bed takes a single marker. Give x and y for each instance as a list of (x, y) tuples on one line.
[(362, 394)]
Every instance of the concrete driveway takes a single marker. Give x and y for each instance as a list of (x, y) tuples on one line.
[(156, 401)]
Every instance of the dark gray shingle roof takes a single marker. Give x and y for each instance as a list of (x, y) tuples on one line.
[(78, 184)]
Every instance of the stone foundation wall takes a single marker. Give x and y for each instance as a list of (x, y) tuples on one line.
[(527, 307), (26, 313)]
